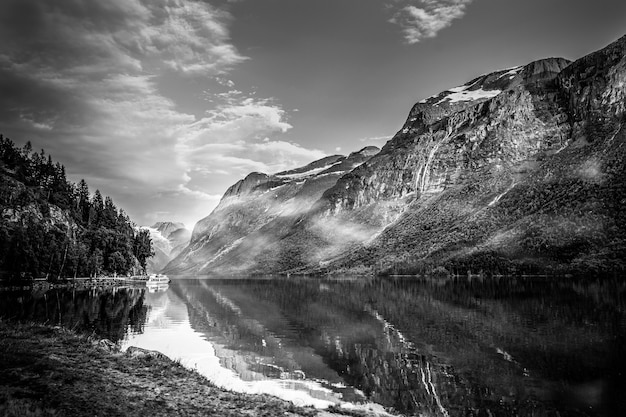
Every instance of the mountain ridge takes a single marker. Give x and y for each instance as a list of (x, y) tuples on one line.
[(447, 189), (258, 203)]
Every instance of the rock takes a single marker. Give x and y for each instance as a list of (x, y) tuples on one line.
[(107, 345), (139, 353)]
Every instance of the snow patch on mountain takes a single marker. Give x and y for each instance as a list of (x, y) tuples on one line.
[(306, 174), (461, 94), (511, 72)]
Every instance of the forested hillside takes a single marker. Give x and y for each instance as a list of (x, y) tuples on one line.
[(51, 227)]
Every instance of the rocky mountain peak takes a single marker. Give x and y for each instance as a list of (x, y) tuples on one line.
[(246, 185), (544, 69), (367, 151), (480, 89)]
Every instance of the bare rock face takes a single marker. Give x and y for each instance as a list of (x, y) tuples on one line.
[(522, 166), (595, 87), (247, 184)]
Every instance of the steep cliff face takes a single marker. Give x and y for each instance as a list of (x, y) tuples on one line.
[(500, 118), (519, 168), (257, 211)]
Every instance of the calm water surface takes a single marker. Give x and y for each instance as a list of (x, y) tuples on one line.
[(458, 347)]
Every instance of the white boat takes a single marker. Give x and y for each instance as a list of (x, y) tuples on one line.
[(154, 288), (158, 279)]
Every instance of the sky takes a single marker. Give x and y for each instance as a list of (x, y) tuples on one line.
[(163, 104)]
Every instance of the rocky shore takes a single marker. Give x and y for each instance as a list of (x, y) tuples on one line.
[(51, 371)]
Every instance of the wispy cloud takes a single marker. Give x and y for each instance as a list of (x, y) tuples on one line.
[(88, 80), (422, 19), (235, 138), (384, 138)]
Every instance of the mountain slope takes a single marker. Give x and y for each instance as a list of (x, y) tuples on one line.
[(543, 194), (256, 212), (519, 169)]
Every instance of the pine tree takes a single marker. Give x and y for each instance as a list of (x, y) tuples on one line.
[(97, 208), (96, 239), (84, 205), (109, 214), (142, 247)]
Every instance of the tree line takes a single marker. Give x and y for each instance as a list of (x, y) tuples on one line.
[(54, 228)]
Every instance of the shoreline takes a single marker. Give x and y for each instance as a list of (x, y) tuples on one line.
[(52, 371), (71, 283)]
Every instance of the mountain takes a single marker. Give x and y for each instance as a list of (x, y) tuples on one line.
[(166, 228), (519, 170), (258, 211), (169, 239)]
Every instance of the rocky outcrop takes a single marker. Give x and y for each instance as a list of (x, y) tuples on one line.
[(519, 168), (595, 88)]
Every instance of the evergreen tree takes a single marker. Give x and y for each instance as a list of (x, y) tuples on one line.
[(109, 214), (97, 208), (84, 205), (91, 238), (142, 247)]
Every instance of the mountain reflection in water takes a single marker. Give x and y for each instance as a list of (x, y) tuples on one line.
[(507, 346)]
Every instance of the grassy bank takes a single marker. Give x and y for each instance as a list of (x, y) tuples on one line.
[(50, 371)]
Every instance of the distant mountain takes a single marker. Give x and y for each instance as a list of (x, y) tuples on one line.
[(166, 228), (169, 239), (519, 170)]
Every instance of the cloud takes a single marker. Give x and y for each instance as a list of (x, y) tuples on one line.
[(423, 19), (87, 81), (159, 240), (338, 236), (235, 138), (79, 77), (384, 138)]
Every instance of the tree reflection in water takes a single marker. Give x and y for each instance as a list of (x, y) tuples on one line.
[(107, 312)]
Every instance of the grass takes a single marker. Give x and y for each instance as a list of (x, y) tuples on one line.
[(51, 371)]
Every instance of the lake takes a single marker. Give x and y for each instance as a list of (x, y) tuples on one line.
[(412, 346)]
